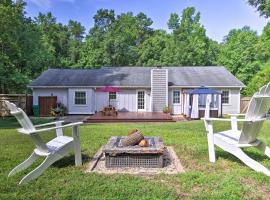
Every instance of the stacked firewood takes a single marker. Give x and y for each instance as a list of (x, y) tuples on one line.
[(135, 137)]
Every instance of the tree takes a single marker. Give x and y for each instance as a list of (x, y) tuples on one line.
[(92, 53), (103, 19), (114, 40), (151, 49), (238, 53), (263, 6), (76, 32), (63, 41), (263, 45), (260, 79), (173, 22), (189, 43), (21, 50), (123, 38)]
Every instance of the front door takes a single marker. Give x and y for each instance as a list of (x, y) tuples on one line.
[(176, 104), (141, 100)]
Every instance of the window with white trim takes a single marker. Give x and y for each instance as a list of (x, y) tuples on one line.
[(225, 97), (80, 98), (112, 95), (176, 96)]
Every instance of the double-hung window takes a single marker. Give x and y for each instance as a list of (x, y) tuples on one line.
[(80, 98), (225, 97)]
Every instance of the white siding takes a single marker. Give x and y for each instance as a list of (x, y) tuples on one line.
[(233, 106), (62, 94), (102, 100), (89, 108), (127, 100)]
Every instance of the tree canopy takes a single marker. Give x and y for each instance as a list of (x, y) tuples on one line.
[(263, 6), (238, 52), (31, 45)]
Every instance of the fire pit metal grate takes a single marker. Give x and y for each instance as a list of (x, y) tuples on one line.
[(134, 156)]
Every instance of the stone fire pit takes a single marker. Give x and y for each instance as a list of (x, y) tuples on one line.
[(116, 155)]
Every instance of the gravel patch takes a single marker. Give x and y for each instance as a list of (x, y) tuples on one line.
[(171, 160)]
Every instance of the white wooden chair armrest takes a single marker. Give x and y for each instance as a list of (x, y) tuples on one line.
[(56, 127), (48, 124), (239, 114), (233, 120), (239, 120), (216, 119)]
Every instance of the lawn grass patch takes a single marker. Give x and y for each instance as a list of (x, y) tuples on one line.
[(228, 178)]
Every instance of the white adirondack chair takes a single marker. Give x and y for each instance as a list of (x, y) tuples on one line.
[(234, 140), (54, 150)]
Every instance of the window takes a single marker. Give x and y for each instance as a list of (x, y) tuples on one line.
[(225, 97), (140, 100), (112, 95), (176, 96), (80, 98)]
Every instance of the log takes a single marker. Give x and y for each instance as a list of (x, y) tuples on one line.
[(132, 139)]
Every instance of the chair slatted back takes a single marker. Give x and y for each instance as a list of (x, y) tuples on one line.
[(27, 125), (257, 109)]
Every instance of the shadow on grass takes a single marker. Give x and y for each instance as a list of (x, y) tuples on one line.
[(257, 156), (69, 161), (9, 123), (12, 123)]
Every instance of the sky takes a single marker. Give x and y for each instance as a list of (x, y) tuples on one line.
[(217, 16)]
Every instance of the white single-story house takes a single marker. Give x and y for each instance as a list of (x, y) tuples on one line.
[(142, 89)]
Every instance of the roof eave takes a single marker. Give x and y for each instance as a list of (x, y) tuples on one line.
[(174, 86)]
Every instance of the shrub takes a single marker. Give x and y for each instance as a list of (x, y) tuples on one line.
[(167, 109), (59, 110)]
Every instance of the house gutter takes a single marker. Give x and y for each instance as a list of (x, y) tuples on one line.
[(184, 86)]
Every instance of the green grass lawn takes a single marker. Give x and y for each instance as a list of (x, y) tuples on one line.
[(228, 178)]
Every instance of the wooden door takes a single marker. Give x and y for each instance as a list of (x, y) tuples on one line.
[(45, 105)]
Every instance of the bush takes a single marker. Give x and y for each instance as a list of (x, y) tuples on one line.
[(59, 110), (167, 109)]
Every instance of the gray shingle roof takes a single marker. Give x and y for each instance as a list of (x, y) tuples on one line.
[(136, 76)]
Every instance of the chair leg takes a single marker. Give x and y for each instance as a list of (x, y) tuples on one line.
[(211, 148), (41, 168), (32, 158), (263, 148), (238, 152), (77, 148)]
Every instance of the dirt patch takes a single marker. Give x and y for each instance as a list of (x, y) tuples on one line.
[(258, 190)]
